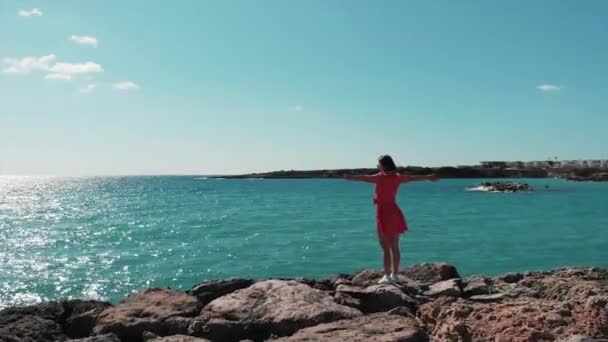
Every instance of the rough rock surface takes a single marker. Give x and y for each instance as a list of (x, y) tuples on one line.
[(82, 316), (429, 302), (176, 338), (100, 338), (29, 328), (431, 273), (449, 288), (272, 307), (151, 310), (476, 286), (209, 290), (377, 298), (376, 327)]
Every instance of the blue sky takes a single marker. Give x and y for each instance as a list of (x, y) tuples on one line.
[(140, 87)]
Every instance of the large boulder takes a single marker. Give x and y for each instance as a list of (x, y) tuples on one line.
[(378, 327), (376, 298), (153, 310), (209, 290), (272, 307)]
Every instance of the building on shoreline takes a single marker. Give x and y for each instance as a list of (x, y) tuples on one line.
[(546, 164)]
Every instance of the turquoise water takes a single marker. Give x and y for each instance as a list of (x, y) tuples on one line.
[(106, 237)]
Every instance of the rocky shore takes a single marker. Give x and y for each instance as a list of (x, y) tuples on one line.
[(430, 302), (504, 187)]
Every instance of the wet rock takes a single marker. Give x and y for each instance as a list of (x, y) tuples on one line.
[(150, 310), (448, 288), (210, 290), (272, 307), (505, 186), (376, 327), (377, 298)]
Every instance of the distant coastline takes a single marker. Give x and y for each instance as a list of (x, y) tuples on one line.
[(576, 174)]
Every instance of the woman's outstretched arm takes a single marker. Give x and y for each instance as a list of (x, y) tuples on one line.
[(367, 179), (407, 178)]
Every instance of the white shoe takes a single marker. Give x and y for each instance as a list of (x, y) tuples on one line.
[(394, 278), (384, 280)]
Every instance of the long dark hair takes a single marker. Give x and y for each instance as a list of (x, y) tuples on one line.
[(387, 163)]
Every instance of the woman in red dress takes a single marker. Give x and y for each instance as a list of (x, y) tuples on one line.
[(390, 221)]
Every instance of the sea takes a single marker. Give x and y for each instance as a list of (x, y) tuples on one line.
[(106, 237)]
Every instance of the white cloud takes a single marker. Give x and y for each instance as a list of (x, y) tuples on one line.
[(548, 87), (57, 71), (89, 88), (126, 85), (27, 64), (84, 40), (297, 108), (63, 77), (76, 68), (35, 12)]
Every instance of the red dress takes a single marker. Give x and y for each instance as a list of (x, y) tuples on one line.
[(389, 217)]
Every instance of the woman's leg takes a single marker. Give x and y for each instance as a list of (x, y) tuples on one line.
[(386, 253), (394, 247)]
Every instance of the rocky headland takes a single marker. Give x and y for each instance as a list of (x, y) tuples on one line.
[(430, 302), (443, 172)]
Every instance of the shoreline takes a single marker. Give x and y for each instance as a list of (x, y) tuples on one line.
[(468, 172), (430, 302)]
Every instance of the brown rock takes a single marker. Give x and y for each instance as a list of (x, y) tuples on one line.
[(209, 290), (511, 277), (491, 298), (377, 298), (27, 328), (48, 310), (366, 277), (431, 273), (177, 338), (581, 338), (146, 311), (272, 307), (522, 319), (82, 316), (376, 327), (100, 338), (448, 288), (347, 300), (477, 286)]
